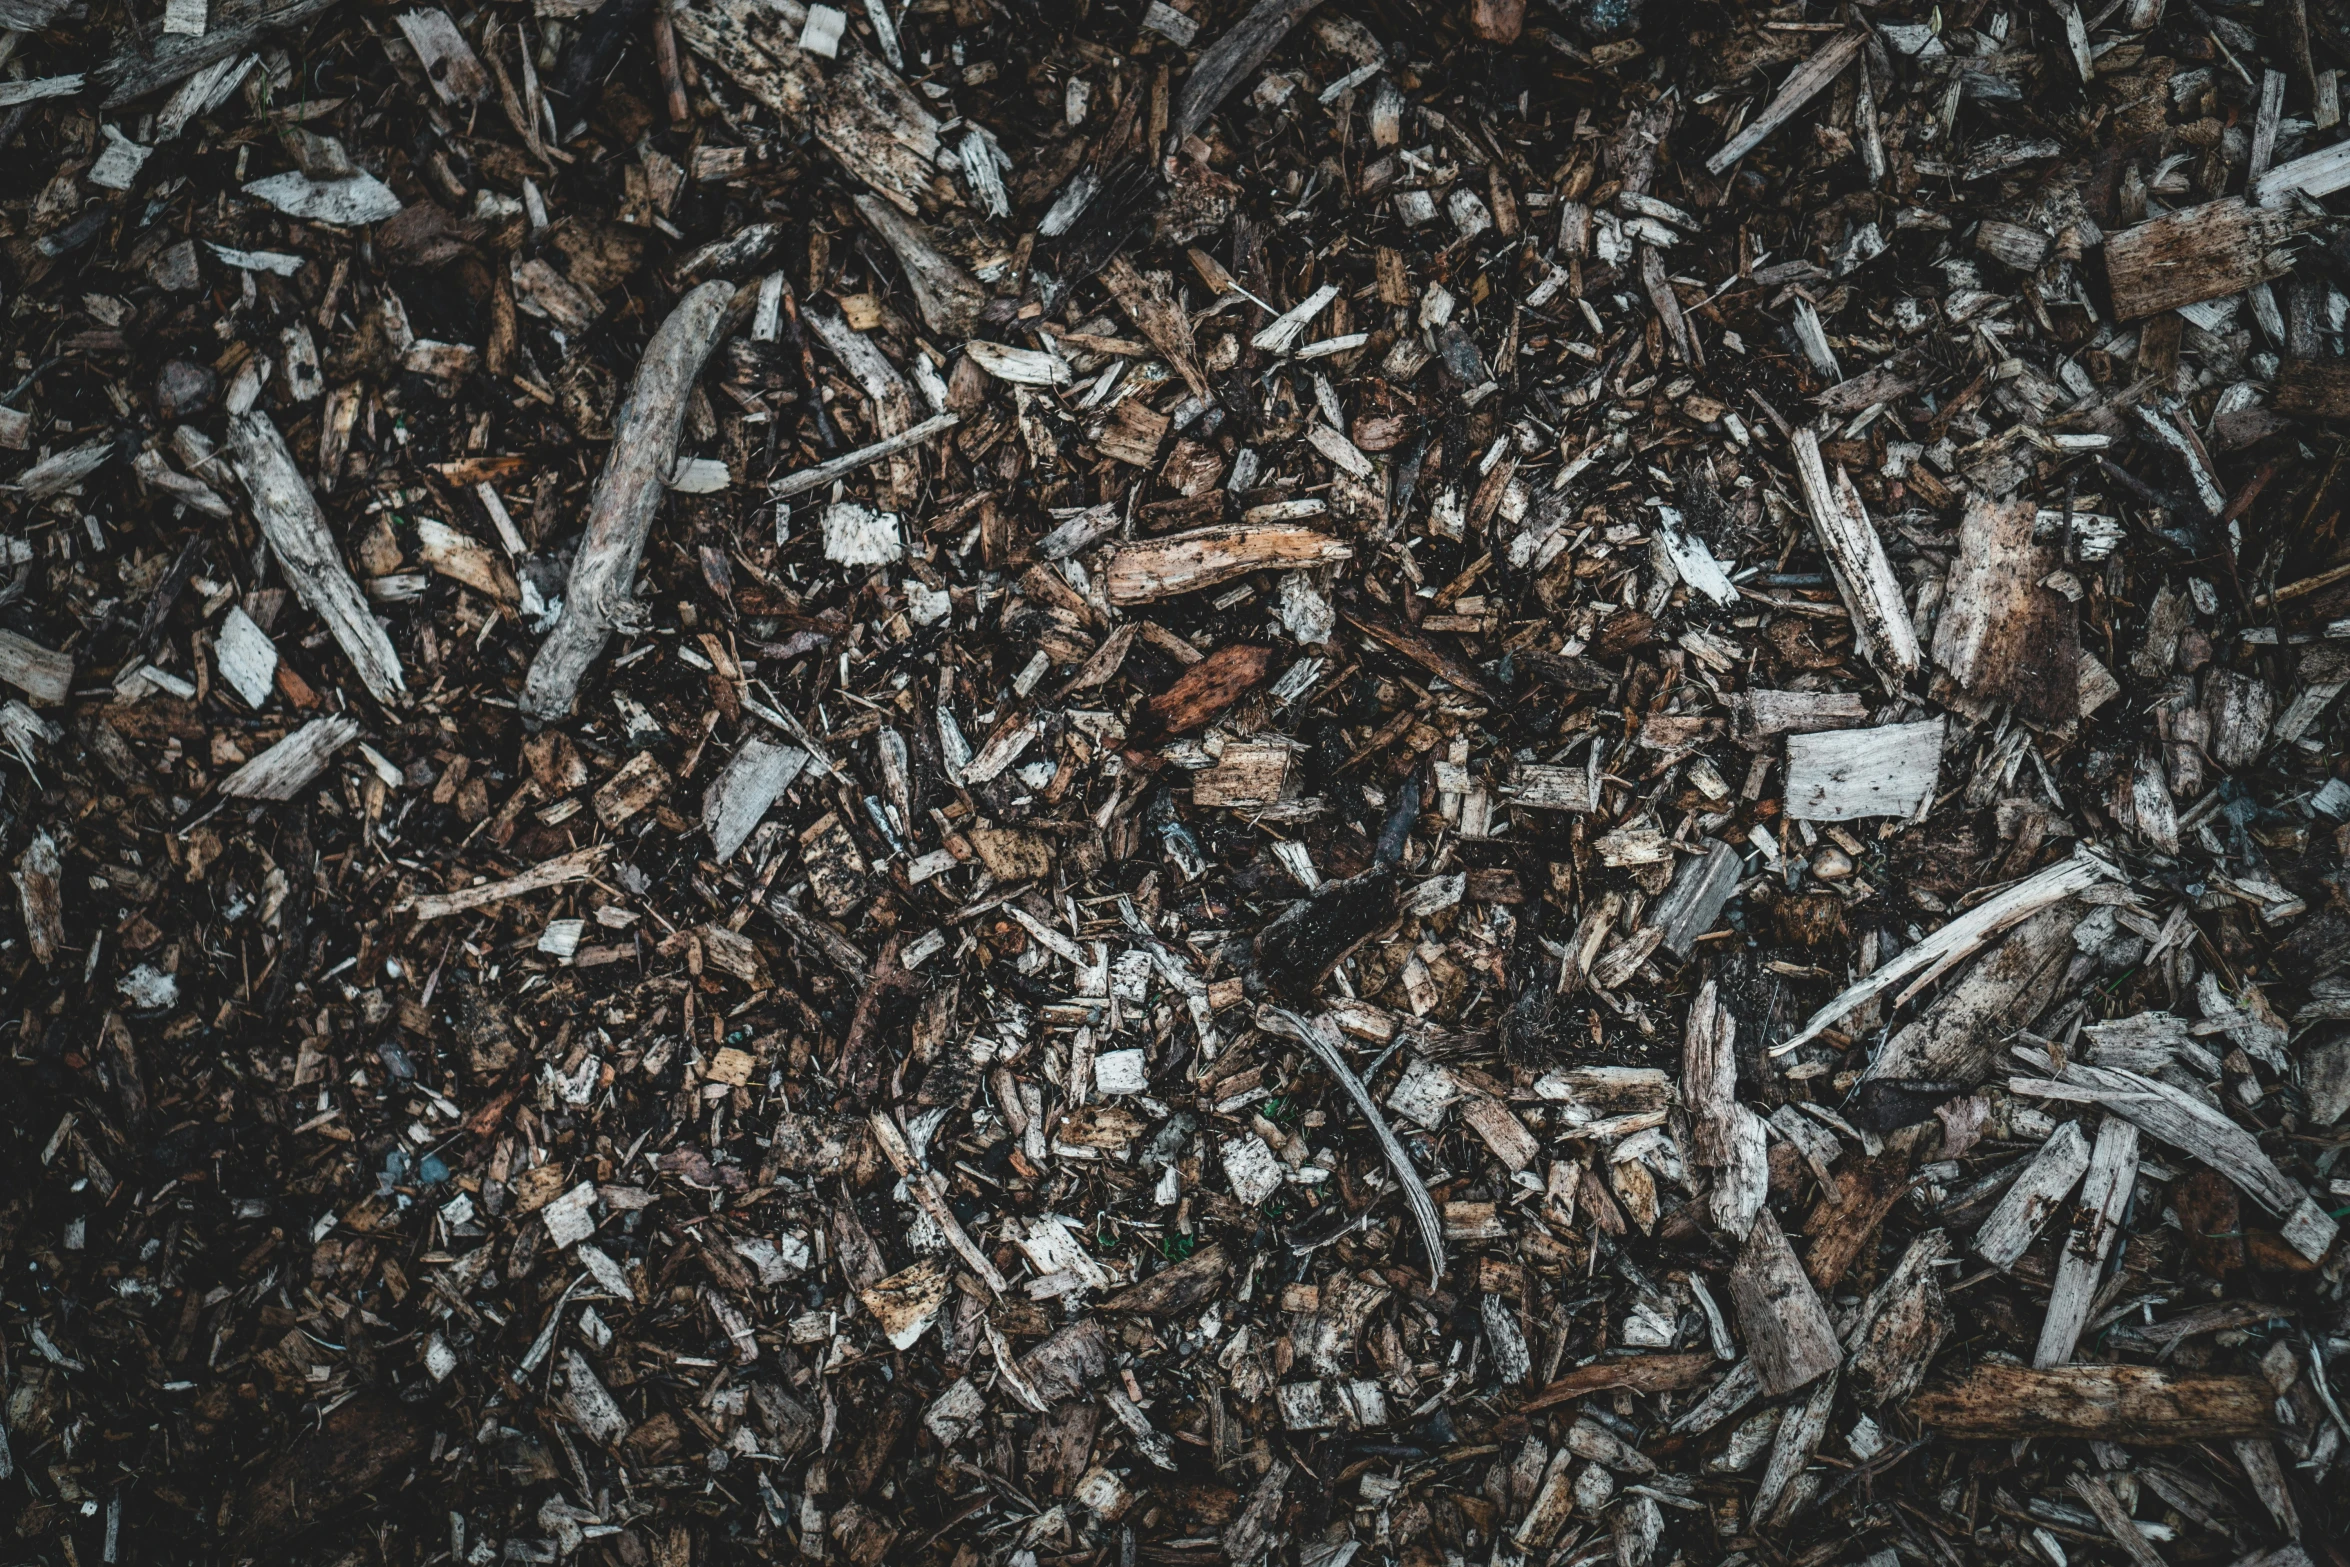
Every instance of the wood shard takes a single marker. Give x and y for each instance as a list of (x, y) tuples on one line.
[(1787, 1330)]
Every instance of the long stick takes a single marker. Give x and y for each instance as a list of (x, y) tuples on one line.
[(1283, 1021), (620, 511), (849, 462)]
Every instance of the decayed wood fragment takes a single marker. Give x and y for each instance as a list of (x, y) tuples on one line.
[(949, 298), (2196, 253), (2105, 1190), (1227, 62), (1786, 1329), (1178, 1290), (2005, 638), (39, 887), (1728, 1137), (1150, 569), (306, 552), (1646, 1373), (40, 673), (855, 105), (1156, 317), (1997, 1400), (1856, 558), (2186, 1122), (599, 596), (1902, 1326)]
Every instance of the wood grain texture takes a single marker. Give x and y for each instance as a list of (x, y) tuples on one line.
[(2146, 1404)]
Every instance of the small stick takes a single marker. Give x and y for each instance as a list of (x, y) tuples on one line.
[(681, 112), (849, 462), (826, 433), (620, 509)]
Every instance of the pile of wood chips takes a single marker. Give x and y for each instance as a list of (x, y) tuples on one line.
[(1164, 781)]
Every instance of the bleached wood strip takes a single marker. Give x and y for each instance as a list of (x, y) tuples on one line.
[(40, 673), (40, 885), (849, 462), (2111, 1513), (1797, 1438), (449, 62), (751, 781), (924, 1186), (578, 865), (2196, 253), (1954, 942), (1786, 1329), (1856, 557), (306, 552), (2035, 1198), (599, 595), (1186, 562), (2316, 174), (2105, 1190), (1729, 1137), (1801, 87), (1842, 775), (2187, 1123), (286, 768), (1282, 1021)]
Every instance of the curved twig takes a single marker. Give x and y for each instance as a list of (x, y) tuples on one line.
[(1280, 1020)]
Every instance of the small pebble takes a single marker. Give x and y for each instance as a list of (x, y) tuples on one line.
[(1831, 863), (184, 389)]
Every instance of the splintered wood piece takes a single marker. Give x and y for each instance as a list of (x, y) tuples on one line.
[(1157, 317), (306, 552), (1729, 1138), (2005, 638), (1786, 1329), (1417, 647), (1760, 716), (462, 558), (2314, 388), (864, 456), (2186, 1122), (2116, 1518), (286, 768), (1800, 88), (1958, 940), (1842, 775), (2036, 1196), (1955, 1039), (2196, 253), (1178, 1290), (2105, 1191), (1540, 788), (1998, 1401), (1231, 60), (753, 779), (1205, 691), (1793, 1445), (578, 865), (1151, 569), (924, 1186), (1856, 558), (449, 62), (599, 596), (949, 298), (1844, 1220)]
